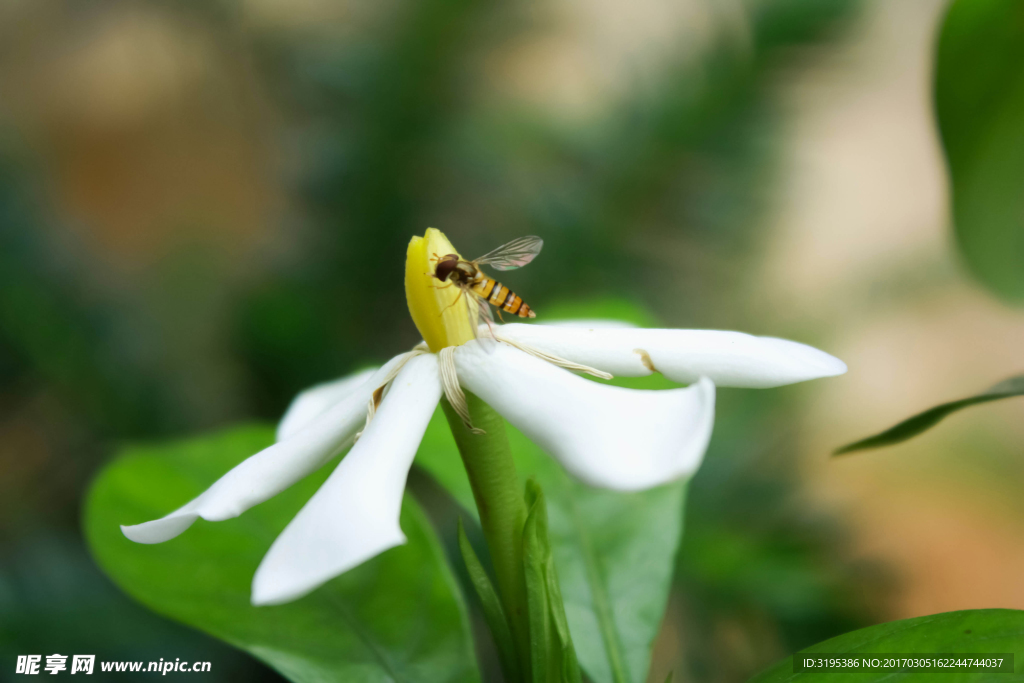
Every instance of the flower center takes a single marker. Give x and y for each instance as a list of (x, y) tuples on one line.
[(443, 313)]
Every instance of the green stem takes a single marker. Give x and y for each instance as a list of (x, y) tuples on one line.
[(499, 500)]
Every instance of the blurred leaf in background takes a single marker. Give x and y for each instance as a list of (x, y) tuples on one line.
[(979, 101)]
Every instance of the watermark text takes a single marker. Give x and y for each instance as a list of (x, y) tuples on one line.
[(30, 665)]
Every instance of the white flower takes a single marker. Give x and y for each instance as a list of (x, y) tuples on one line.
[(607, 436)]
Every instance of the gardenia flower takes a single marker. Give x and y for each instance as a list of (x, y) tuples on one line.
[(606, 436)]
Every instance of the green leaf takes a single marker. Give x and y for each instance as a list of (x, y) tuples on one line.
[(979, 100), (554, 658), (921, 422), (570, 662), (615, 552), (494, 614), (557, 608), (980, 631), (545, 662), (397, 618)]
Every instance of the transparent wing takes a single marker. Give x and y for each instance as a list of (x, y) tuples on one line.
[(479, 316), (515, 254)]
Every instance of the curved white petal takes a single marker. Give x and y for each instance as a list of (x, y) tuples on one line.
[(315, 401), (273, 469), (622, 439), (354, 515), (729, 359)]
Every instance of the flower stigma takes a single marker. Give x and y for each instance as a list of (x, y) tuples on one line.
[(441, 311)]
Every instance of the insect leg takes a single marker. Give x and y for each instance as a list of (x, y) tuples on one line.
[(486, 339), (454, 302)]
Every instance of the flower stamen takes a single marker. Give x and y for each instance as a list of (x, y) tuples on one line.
[(378, 394), (553, 359), (452, 388)]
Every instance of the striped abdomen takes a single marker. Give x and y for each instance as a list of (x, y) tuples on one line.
[(500, 296)]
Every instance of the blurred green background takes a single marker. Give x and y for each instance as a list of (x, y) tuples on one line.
[(204, 208)]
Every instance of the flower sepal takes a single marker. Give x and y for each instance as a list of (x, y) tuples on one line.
[(549, 654), (552, 654)]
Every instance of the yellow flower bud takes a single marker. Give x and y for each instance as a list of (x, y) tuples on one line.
[(440, 314)]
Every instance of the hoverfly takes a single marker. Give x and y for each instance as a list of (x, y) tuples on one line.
[(467, 276)]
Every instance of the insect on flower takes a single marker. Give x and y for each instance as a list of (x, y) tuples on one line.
[(467, 276), (605, 436)]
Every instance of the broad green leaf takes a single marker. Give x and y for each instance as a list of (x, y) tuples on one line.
[(921, 422), (970, 631), (614, 552), (397, 618), (979, 101)]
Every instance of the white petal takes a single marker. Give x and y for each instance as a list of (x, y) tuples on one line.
[(273, 469), (622, 439), (315, 401), (354, 515), (587, 323), (729, 359)]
